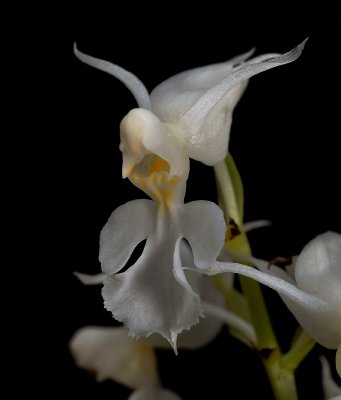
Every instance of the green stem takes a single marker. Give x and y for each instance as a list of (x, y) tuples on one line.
[(281, 375), (226, 192), (251, 289), (299, 350), (282, 380)]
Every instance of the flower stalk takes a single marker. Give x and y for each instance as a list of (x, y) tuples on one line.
[(280, 369), (299, 350)]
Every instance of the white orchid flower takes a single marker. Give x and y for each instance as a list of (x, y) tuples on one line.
[(196, 106), (331, 390), (154, 295), (313, 294), (192, 118), (111, 354)]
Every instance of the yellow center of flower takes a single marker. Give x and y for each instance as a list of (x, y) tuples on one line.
[(153, 159), (152, 176)]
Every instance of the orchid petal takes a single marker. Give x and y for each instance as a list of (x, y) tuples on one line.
[(90, 279), (153, 295), (206, 125), (127, 226), (203, 225), (175, 95), (318, 269), (153, 394), (338, 360), (113, 355), (315, 315), (273, 282), (135, 86), (330, 388), (261, 223)]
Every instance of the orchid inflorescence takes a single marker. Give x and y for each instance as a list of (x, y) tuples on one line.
[(174, 295)]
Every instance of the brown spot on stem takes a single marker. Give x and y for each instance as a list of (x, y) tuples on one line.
[(234, 229), (281, 262), (266, 353)]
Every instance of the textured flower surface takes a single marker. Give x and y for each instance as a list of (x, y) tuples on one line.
[(199, 335), (313, 293), (196, 106), (154, 294), (188, 115)]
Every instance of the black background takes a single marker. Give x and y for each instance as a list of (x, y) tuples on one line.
[(284, 140)]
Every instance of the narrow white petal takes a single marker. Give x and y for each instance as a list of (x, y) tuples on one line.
[(250, 226), (338, 360), (330, 388), (153, 295), (315, 315), (263, 265), (260, 58), (196, 78), (206, 124), (174, 96), (111, 354), (272, 269), (127, 78), (127, 226), (90, 279), (153, 394), (203, 225), (216, 93)]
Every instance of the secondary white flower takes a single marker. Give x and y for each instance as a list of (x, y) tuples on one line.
[(111, 354), (313, 294), (196, 106)]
